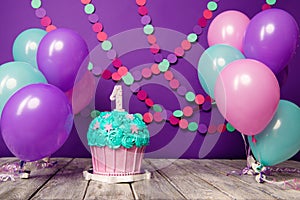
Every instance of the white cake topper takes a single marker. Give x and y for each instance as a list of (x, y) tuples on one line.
[(117, 95)]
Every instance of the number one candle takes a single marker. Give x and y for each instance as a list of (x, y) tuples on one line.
[(116, 95)]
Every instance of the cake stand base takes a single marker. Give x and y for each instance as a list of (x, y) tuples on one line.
[(88, 175)]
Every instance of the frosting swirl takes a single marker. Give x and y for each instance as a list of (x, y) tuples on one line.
[(115, 129)]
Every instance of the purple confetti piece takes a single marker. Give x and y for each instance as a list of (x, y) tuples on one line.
[(146, 19), (169, 114), (158, 58), (172, 58), (111, 54), (202, 128), (137, 75), (197, 29), (164, 115), (40, 13), (93, 18), (135, 87), (97, 71), (206, 106), (181, 90)]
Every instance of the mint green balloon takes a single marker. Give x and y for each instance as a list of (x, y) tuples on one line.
[(212, 62), (26, 45), (280, 140), (14, 76)]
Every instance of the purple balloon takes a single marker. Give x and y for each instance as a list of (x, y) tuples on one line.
[(271, 38), (60, 55), (36, 121)]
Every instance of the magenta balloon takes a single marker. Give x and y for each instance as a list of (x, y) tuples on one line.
[(83, 92), (271, 38), (229, 27), (36, 121), (247, 95), (60, 55)]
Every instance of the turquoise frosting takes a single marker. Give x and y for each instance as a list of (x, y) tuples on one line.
[(118, 128)]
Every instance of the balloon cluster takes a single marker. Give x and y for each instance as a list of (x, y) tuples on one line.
[(241, 71), (36, 115)]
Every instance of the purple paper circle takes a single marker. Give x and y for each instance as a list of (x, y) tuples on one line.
[(202, 128), (164, 114), (169, 113), (197, 29), (181, 90), (111, 54), (137, 75), (135, 87), (97, 71), (206, 106), (146, 19), (40, 13), (172, 58), (158, 58), (93, 18)]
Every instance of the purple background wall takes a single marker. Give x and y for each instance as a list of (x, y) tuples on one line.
[(118, 16)]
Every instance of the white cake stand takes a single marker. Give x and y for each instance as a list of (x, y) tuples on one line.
[(88, 175)]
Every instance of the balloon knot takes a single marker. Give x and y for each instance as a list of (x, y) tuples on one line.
[(254, 140)]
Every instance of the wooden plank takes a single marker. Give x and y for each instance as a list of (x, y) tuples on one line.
[(155, 188), (225, 166), (192, 187), (240, 164), (25, 188), (5, 160), (68, 183), (227, 184), (100, 190)]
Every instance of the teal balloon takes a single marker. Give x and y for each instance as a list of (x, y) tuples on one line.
[(26, 44), (212, 62), (14, 76), (280, 140)]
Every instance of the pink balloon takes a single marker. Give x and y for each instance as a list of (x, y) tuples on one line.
[(247, 94), (82, 93), (229, 28)]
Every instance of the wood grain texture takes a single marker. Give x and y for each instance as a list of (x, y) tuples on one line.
[(6, 160), (171, 179), (240, 164), (99, 190), (156, 188), (192, 187), (273, 190), (25, 188), (227, 184), (68, 183)]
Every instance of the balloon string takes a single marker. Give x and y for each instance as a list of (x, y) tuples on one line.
[(286, 184), (11, 171), (285, 170), (260, 172), (247, 149), (247, 169)]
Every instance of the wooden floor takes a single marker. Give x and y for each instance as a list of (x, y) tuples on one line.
[(171, 179)]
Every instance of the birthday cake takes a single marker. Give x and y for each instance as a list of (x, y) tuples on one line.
[(117, 141)]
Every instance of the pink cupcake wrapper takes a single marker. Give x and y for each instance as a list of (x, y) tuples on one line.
[(117, 162)]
